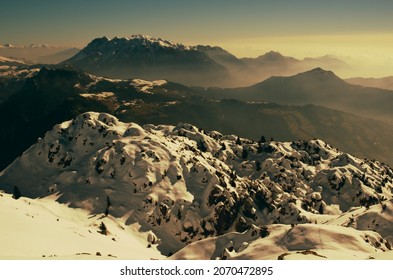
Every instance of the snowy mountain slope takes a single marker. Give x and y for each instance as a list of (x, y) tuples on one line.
[(360, 233), (43, 228), (144, 57), (377, 218), (10, 65), (305, 241), (10, 61), (14, 73), (185, 185)]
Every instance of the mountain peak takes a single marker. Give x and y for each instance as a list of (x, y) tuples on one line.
[(145, 57), (146, 39), (321, 74), (215, 52), (273, 53), (133, 41), (274, 56), (319, 70), (142, 37)]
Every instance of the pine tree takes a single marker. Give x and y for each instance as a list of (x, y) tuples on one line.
[(16, 193), (238, 141), (103, 229), (263, 139), (244, 153), (258, 165), (108, 204), (260, 148), (201, 146), (320, 210)]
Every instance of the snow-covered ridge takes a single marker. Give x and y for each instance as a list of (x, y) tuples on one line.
[(184, 184), (140, 39), (101, 95), (31, 46), (161, 42), (144, 86), (15, 73), (11, 68), (10, 60)]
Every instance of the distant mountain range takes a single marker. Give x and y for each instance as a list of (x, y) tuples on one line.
[(37, 53), (319, 87), (150, 58), (246, 71), (384, 83), (55, 95), (141, 56)]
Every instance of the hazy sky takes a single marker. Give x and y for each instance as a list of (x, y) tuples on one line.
[(246, 28)]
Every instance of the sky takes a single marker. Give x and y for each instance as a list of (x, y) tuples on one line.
[(300, 28)]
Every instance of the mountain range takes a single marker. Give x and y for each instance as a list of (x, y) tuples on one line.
[(275, 64), (37, 53), (141, 56), (319, 87), (145, 57), (384, 83), (55, 95), (143, 148)]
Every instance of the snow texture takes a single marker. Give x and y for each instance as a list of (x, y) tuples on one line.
[(209, 196)]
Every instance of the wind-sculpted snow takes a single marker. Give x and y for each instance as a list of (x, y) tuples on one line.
[(185, 184), (303, 241)]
